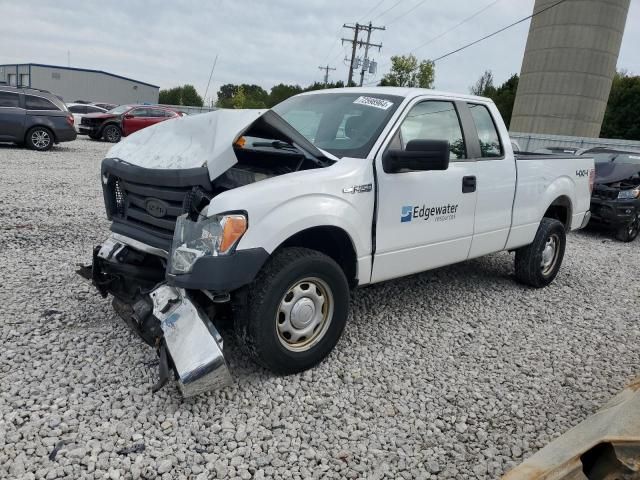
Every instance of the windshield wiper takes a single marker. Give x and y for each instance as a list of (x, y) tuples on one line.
[(278, 144)]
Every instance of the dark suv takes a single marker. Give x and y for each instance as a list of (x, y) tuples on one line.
[(35, 118)]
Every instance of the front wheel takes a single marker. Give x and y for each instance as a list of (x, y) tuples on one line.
[(112, 133), (295, 311), (538, 264), (629, 232)]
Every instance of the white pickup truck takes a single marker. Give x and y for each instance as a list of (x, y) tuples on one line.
[(272, 216)]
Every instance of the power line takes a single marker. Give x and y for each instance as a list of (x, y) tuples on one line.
[(462, 22), (499, 31), (388, 9), (364, 17), (406, 13)]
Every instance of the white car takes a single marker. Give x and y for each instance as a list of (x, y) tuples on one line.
[(279, 213), (79, 110)]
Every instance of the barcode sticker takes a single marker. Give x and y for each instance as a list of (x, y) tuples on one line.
[(374, 102)]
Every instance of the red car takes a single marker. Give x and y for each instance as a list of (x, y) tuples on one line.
[(124, 120)]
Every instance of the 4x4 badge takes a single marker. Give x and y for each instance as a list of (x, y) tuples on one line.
[(358, 189)]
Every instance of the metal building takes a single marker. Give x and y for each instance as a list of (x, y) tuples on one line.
[(79, 83), (569, 64)]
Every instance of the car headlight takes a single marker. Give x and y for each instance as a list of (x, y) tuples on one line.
[(209, 237), (629, 194)]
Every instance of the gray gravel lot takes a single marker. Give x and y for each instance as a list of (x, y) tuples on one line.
[(456, 373)]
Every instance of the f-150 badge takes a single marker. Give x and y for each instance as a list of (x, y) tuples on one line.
[(358, 189)]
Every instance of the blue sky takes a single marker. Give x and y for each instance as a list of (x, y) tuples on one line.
[(172, 43)]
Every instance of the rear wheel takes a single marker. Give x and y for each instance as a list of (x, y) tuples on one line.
[(538, 264), (39, 138), (629, 232), (112, 133), (295, 312)]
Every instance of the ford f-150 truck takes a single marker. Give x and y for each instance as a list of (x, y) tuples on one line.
[(274, 215)]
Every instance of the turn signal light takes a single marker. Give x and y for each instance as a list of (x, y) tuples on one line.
[(233, 228)]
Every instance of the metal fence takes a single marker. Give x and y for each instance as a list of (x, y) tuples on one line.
[(191, 110), (530, 142)]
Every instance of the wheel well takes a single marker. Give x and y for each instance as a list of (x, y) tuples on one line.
[(333, 242), (560, 209), (53, 134)]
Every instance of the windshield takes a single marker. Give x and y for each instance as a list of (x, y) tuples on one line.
[(344, 124), (614, 167), (120, 109)]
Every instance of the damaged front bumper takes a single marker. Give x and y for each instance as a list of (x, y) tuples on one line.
[(164, 316)]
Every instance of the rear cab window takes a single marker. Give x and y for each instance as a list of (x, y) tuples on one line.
[(490, 144)]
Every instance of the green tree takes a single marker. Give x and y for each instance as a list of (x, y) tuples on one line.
[(484, 86), (503, 96), (190, 96), (622, 117), (171, 96), (281, 92), (242, 96), (406, 71), (185, 95), (239, 98)]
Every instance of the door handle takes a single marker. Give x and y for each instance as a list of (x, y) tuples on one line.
[(469, 184)]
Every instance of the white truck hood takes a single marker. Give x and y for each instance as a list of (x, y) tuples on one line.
[(188, 142)]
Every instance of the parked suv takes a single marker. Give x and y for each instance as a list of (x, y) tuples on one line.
[(35, 118), (123, 121)]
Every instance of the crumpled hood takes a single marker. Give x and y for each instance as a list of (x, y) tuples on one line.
[(188, 142)]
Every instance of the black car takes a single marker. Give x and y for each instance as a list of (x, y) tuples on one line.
[(615, 202), (35, 118)]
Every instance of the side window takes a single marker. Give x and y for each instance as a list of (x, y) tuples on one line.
[(490, 145), (38, 103), (140, 112), (434, 120), (91, 109), (78, 109), (9, 99), (169, 114)]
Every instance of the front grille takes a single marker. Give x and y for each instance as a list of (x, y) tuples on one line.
[(144, 204), (606, 193)]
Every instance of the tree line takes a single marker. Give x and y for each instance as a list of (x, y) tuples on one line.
[(621, 120)]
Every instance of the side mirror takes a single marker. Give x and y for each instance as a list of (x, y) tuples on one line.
[(419, 155), (128, 116)]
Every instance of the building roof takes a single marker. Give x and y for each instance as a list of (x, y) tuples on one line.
[(58, 67)]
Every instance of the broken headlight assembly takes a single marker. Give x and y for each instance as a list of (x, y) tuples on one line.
[(209, 237), (629, 194)]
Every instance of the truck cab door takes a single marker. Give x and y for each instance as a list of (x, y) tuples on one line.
[(425, 219)]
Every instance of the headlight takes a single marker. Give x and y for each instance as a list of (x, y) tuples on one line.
[(629, 194), (206, 238)]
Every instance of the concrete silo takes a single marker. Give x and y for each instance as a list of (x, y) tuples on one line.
[(568, 66)]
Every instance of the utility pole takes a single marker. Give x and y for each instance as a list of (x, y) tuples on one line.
[(354, 44), (326, 73), (357, 43), (365, 61)]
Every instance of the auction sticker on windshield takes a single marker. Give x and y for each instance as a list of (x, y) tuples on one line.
[(374, 102)]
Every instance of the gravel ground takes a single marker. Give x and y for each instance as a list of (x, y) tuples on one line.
[(456, 373)]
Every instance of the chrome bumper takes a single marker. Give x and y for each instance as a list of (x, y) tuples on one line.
[(193, 342), (585, 219)]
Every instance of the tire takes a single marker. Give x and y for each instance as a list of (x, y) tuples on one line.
[(629, 231), (538, 264), (295, 280), (112, 133), (39, 138)]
